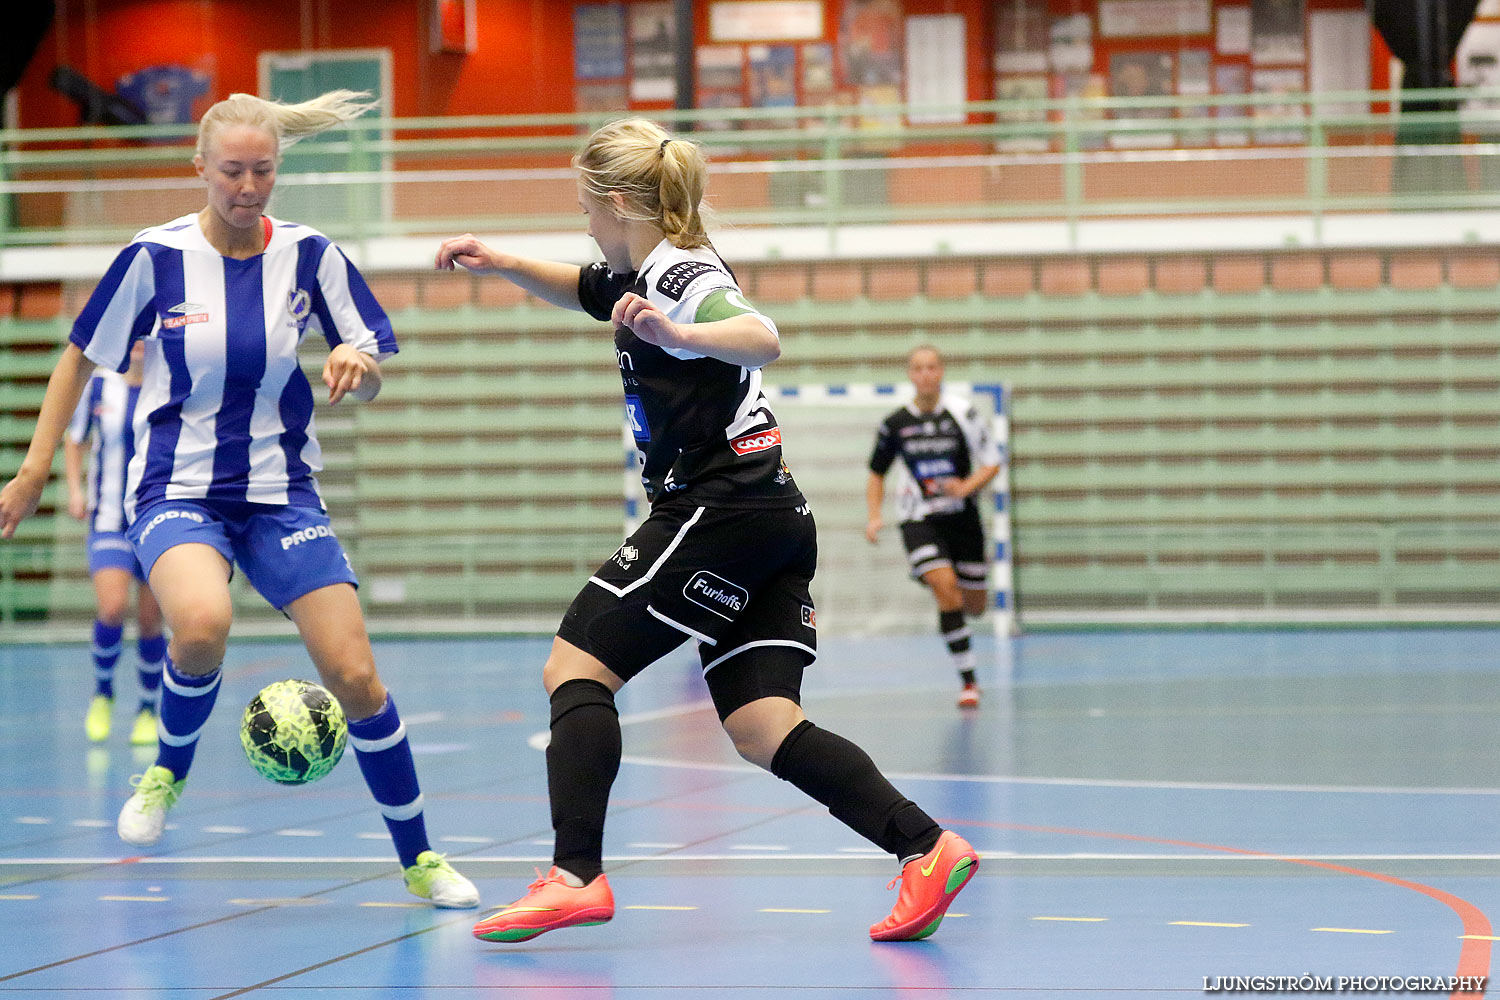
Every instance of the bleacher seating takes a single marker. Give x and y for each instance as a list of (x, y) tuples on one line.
[(1272, 430)]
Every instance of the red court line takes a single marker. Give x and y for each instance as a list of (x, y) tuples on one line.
[(1473, 955)]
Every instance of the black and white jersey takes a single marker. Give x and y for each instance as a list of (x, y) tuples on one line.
[(704, 431), (948, 443)]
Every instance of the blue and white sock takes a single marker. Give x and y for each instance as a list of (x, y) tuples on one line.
[(385, 760), (153, 654), (106, 651), (186, 703)]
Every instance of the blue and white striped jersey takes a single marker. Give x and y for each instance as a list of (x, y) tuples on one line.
[(105, 413), (225, 412)]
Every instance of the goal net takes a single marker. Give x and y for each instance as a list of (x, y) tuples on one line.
[(828, 432)]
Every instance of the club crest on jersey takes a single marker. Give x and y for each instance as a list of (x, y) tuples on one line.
[(760, 441), (674, 281), (299, 304)]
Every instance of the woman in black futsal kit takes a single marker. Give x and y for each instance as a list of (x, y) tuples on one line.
[(725, 557)]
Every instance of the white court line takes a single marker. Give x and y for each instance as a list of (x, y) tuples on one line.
[(539, 740), (419, 718), (778, 856), (1005, 779)]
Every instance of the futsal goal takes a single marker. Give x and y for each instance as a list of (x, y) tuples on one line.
[(828, 432)]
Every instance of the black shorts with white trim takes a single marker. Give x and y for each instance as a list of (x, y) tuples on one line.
[(953, 540), (734, 580)]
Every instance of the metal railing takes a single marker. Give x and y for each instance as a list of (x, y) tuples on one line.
[(1070, 160)]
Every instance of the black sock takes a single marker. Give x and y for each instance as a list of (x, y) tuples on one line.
[(582, 761), (955, 633), (843, 777), (957, 636)]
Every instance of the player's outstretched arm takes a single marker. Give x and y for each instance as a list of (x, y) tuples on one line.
[(549, 280), (19, 498), (740, 340)]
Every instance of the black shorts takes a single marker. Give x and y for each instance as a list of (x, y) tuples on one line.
[(736, 581), (953, 540)]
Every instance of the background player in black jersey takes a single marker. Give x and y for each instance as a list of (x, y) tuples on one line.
[(725, 557), (947, 456)]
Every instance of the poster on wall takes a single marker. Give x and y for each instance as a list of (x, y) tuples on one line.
[(1021, 36), (1279, 81), (603, 95), (1276, 31), (1141, 74), (1338, 57), (1025, 89), (936, 72), (1088, 91), (1232, 31), (773, 76), (653, 52), (1195, 80), (765, 20), (720, 67), (1231, 79), (598, 41), (870, 44), (1071, 48), (1154, 18), (817, 73)]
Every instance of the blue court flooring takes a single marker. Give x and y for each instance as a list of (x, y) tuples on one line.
[(1156, 812)]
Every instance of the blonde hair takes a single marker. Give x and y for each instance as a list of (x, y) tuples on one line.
[(286, 123), (661, 178)]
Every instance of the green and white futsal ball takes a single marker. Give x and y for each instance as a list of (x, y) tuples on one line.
[(293, 732)]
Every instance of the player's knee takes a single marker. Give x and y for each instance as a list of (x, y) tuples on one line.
[(197, 652), (758, 730), (199, 637), (111, 610), (756, 746)]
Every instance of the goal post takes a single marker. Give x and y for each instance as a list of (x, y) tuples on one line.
[(828, 431)]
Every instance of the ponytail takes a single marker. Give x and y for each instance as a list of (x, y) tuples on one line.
[(287, 123), (661, 178)]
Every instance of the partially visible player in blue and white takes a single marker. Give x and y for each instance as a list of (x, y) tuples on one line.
[(101, 427), (226, 454)]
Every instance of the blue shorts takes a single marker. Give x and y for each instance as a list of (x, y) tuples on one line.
[(112, 550), (286, 552)]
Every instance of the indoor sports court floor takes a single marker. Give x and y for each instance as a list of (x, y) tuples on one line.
[(1157, 812)]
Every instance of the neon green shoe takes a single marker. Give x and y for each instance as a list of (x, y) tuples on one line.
[(96, 723), (145, 814), (143, 731), (432, 877)]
